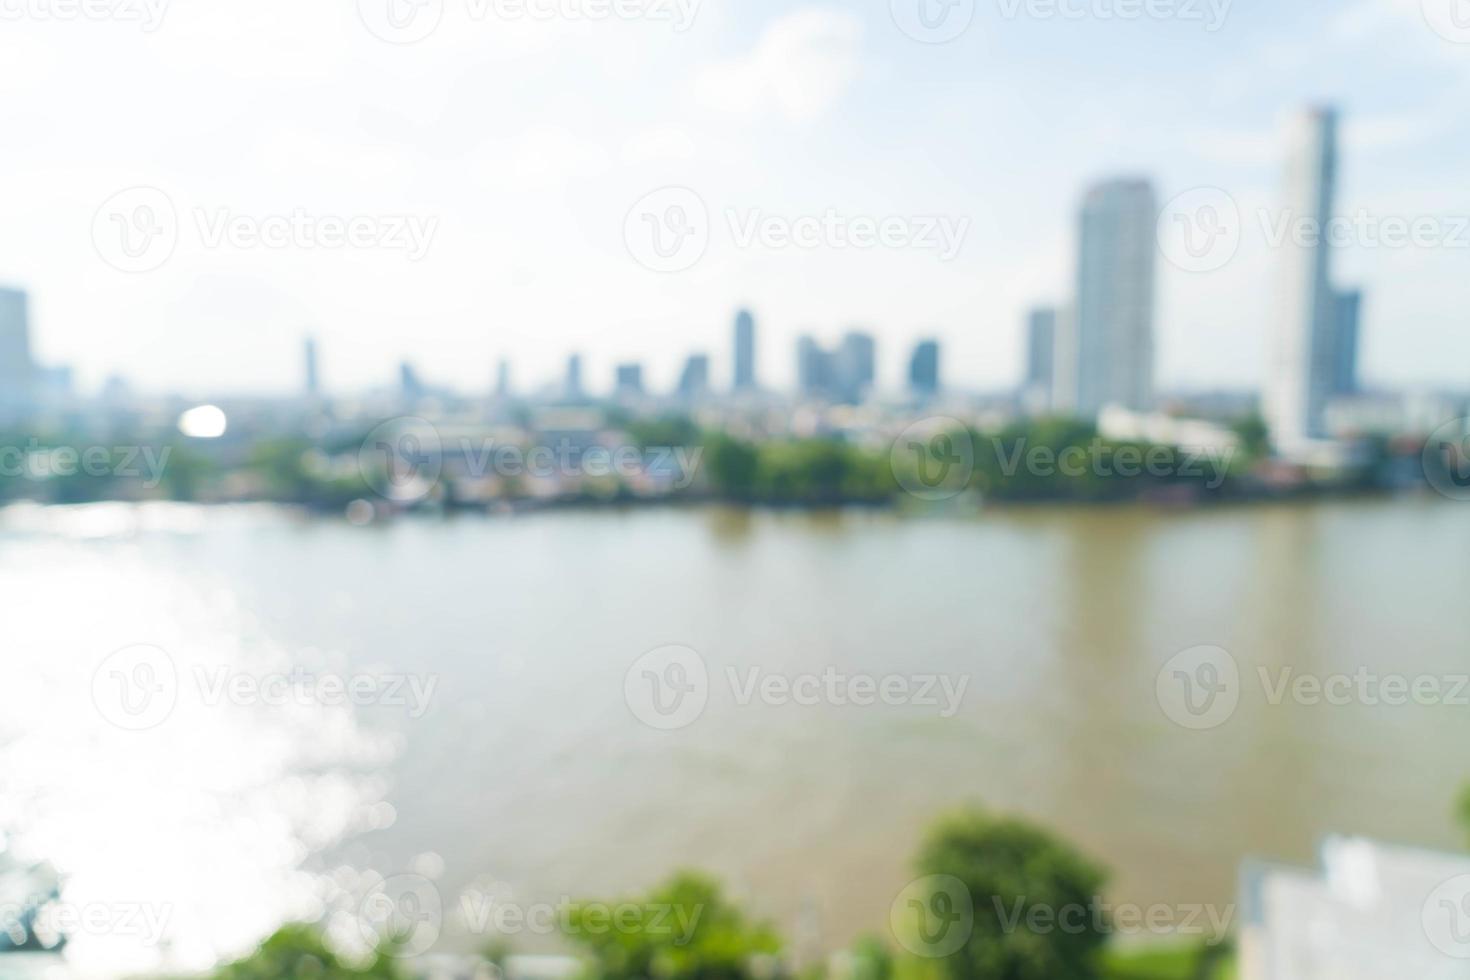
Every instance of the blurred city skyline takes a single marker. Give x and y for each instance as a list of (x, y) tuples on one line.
[(526, 143)]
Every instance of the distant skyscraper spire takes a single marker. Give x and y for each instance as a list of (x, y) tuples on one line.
[(574, 377), (745, 351), (502, 378), (311, 367)]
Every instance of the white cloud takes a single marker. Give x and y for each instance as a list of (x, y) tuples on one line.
[(801, 67)]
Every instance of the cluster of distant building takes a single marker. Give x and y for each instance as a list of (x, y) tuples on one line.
[(842, 374), (1098, 352), (1092, 357)]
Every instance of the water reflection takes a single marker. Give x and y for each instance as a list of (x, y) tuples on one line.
[(530, 771), (192, 838)]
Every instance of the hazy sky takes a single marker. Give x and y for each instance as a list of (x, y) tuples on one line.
[(522, 142)]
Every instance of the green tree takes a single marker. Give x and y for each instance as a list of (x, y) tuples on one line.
[(685, 929), (1255, 437), (297, 952), (1034, 899), (733, 467), (1462, 809)]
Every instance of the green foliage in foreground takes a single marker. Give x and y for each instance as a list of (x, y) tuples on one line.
[(688, 931), (1011, 868), (297, 952), (687, 928), (1171, 963)]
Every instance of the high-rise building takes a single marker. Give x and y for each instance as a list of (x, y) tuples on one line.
[(573, 389), (814, 369), (309, 359), (502, 378), (409, 386), (1041, 345), (17, 370), (1112, 346), (629, 379), (924, 368), (744, 351), (694, 381), (857, 361), (1302, 366), (845, 374), (1347, 322)]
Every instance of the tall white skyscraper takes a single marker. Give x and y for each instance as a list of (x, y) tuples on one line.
[(1111, 346), (17, 370), (1302, 355)]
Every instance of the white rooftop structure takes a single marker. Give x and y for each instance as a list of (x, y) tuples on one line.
[(1374, 913)]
